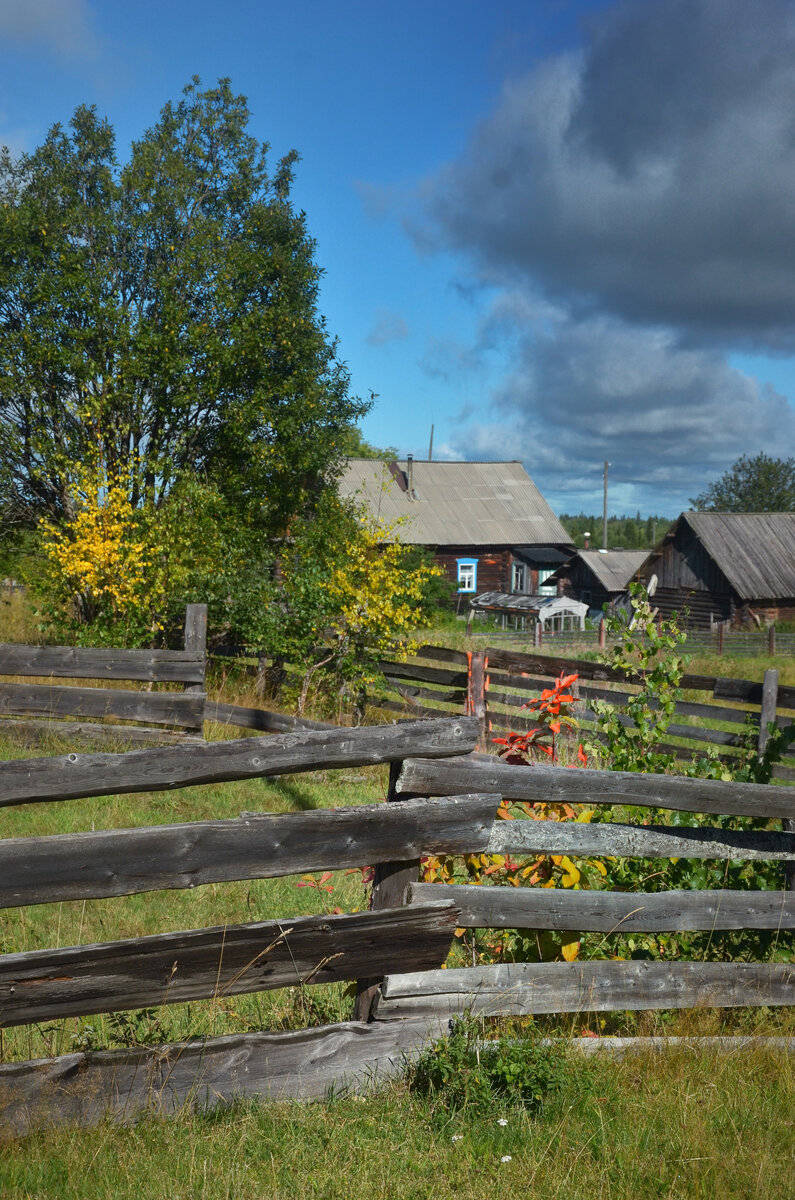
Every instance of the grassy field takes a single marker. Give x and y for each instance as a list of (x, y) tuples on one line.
[(692, 1125)]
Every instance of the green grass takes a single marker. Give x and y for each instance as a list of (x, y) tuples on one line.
[(686, 1124)]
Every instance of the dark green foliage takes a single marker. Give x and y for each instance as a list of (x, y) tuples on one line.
[(759, 484), (623, 533), (465, 1071), (163, 315)]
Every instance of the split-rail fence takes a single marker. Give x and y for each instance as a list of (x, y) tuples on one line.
[(724, 713), (442, 800), (94, 711)]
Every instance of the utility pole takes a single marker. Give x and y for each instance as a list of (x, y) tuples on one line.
[(430, 447), (604, 511)]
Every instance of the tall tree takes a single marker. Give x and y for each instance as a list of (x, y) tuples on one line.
[(759, 484), (160, 317)]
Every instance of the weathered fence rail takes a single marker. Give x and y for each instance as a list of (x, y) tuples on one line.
[(45, 707), (425, 687), (443, 800)]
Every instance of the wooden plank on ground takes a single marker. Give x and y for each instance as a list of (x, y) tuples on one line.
[(228, 960), (120, 1086), (69, 776), (123, 862), (642, 841), (561, 785), (72, 662), (484, 907), (155, 708), (259, 718), (521, 989)]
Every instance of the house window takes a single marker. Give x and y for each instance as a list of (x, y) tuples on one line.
[(518, 577), (467, 574), (546, 589)]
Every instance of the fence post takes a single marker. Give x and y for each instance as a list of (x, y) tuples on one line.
[(602, 634), (390, 881), (720, 638), (771, 640), (196, 640), (477, 686)]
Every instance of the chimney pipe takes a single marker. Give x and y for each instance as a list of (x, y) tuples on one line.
[(410, 475), (586, 535)]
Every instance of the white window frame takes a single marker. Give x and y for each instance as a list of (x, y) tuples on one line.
[(545, 589), (518, 577), (467, 574)]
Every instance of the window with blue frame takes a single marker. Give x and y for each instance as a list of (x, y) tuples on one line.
[(467, 574)]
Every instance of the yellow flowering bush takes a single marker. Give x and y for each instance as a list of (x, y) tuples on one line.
[(101, 564)]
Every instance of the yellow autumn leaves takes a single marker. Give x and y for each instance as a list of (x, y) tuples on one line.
[(104, 554)]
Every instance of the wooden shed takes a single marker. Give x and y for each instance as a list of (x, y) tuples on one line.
[(732, 567), (598, 577)]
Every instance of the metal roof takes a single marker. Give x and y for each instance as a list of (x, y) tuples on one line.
[(613, 568), (755, 551), (455, 503)]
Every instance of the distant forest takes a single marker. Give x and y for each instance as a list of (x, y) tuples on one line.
[(623, 533)]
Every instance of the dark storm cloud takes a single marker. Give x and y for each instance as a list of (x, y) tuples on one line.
[(652, 175), (667, 418)]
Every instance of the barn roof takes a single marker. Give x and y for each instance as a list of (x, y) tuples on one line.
[(613, 568), (755, 551), (456, 503)]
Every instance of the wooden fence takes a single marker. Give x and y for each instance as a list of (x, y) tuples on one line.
[(442, 801), (717, 640), (727, 714), (45, 707)]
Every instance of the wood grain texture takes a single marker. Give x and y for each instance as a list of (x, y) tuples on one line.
[(155, 708), (71, 662), (120, 1086), (70, 776), (559, 784), (610, 912), (520, 989), (194, 964), (641, 841), (122, 862)]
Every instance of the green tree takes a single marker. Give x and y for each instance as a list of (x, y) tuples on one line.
[(759, 484), (162, 314)]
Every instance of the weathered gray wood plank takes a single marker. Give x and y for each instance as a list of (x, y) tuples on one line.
[(122, 862), (71, 662), (519, 989), (585, 786), (156, 708), (416, 673), (120, 1085), (69, 776), (195, 964), (259, 718), (609, 912), (641, 841)]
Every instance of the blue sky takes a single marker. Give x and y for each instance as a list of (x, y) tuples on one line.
[(559, 231)]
